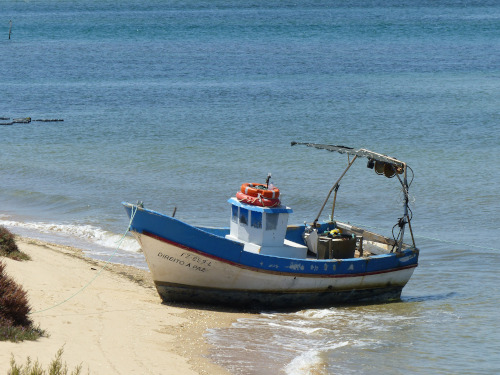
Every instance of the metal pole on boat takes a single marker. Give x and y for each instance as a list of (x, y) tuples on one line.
[(334, 200), (405, 217), (404, 183), (333, 187), (407, 198)]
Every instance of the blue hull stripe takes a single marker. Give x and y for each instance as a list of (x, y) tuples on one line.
[(255, 269), (211, 242)]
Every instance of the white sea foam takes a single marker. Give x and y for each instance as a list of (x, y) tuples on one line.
[(300, 326), (311, 362), (87, 233), (307, 363), (318, 313)]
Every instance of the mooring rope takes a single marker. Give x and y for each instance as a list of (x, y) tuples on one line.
[(459, 243), (431, 238), (119, 243)]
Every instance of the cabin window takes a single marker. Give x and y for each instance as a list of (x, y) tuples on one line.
[(271, 221), (243, 216), (234, 216), (256, 219)]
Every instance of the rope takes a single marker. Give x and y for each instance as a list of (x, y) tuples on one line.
[(459, 243), (258, 198), (436, 239), (120, 241)]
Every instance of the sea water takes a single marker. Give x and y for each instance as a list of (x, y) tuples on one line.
[(176, 103)]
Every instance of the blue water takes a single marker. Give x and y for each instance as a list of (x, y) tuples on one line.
[(176, 103)]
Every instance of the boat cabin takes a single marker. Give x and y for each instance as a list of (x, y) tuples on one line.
[(262, 230)]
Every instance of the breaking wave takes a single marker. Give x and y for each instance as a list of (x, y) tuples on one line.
[(85, 236)]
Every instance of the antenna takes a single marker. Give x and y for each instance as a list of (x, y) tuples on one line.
[(268, 178)]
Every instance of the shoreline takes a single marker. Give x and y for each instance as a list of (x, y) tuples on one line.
[(108, 317)]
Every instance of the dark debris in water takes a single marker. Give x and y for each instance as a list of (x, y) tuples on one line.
[(434, 297), (25, 120)]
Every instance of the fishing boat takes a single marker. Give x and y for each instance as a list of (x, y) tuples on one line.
[(261, 262)]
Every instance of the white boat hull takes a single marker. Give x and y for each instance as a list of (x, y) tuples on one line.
[(183, 274)]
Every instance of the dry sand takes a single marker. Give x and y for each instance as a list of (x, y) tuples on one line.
[(107, 317)]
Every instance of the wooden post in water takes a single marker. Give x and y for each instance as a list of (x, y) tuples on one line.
[(10, 28)]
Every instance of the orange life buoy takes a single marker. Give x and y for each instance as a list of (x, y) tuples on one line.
[(255, 190), (257, 201)]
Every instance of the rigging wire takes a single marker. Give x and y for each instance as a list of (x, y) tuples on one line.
[(429, 238)]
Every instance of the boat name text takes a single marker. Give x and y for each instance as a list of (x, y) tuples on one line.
[(187, 263), (196, 259)]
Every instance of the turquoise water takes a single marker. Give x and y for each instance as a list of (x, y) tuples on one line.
[(177, 103)]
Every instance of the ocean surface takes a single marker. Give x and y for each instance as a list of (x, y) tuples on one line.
[(176, 103)]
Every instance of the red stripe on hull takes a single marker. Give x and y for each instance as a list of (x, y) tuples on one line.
[(255, 269)]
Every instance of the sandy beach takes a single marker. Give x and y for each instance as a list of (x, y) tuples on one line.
[(107, 317)]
